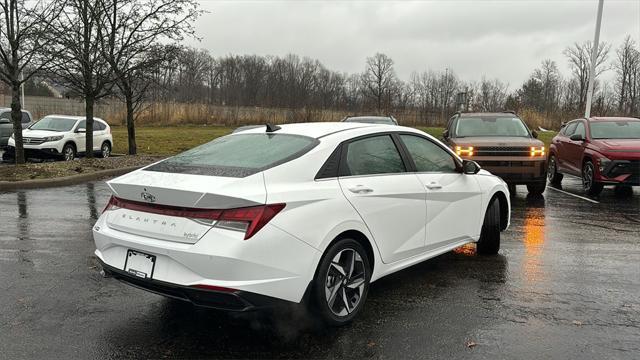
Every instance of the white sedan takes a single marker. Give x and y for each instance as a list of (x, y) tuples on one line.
[(303, 212), (62, 136)]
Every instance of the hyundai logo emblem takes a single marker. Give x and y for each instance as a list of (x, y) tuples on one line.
[(147, 197)]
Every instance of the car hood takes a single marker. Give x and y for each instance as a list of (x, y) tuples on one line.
[(479, 141), (40, 133), (618, 145)]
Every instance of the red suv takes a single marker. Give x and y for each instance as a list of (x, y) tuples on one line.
[(600, 150)]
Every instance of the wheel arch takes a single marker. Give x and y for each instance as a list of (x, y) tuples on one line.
[(73, 143), (361, 238)]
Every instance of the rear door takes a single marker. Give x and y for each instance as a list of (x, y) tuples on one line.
[(390, 200), (454, 200)]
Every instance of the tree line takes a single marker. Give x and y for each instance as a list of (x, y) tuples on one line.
[(130, 50)]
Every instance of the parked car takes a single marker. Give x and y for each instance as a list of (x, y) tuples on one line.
[(386, 120), (600, 150), (6, 124), (61, 136), (301, 212), (502, 144)]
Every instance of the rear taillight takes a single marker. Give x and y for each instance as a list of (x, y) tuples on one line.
[(248, 219)]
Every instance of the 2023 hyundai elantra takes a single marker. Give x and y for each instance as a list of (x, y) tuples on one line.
[(303, 212)]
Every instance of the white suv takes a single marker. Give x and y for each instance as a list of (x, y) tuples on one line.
[(62, 136)]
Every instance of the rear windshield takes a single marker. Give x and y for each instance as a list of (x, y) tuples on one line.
[(615, 129), (491, 126), (54, 124), (238, 155)]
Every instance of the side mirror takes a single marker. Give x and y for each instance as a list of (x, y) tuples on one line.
[(81, 130), (470, 167), (534, 134), (445, 134), (577, 137)]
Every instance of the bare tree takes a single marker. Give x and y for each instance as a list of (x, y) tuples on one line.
[(579, 56), (378, 78), (128, 31), (627, 66), (80, 64), (24, 29)]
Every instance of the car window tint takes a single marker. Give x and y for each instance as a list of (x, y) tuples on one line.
[(6, 115), (427, 156), (97, 125), (82, 124), (374, 155), (25, 117), (238, 155), (580, 129), (571, 128)]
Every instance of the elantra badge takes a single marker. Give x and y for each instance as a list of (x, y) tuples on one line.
[(147, 196)]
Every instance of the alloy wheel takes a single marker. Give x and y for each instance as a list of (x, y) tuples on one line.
[(552, 168), (345, 282), (106, 151), (587, 177), (68, 153)]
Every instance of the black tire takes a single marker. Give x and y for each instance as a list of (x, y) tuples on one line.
[(623, 191), (69, 152), (8, 156), (329, 274), (105, 150), (489, 243), (512, 190), (590, 186), (537, 188), (553, 175)]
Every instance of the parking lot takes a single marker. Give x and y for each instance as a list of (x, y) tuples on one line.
[(565, 285)]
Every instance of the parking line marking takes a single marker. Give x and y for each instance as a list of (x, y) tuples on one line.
[(574, 195)]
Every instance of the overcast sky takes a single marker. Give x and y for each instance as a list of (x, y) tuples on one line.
[(503, 39)]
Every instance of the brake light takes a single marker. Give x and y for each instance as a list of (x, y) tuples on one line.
[(537, 151), (248, 219), (464, 150)]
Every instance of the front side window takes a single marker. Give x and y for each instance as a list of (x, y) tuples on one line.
[(623, 129), (373, 155), (427, 156), (238, 155), (54, 124), (571, 128), (580, 130), (491, 126)]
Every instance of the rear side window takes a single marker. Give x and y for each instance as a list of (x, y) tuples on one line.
[(25, 118), (5, 115), (97, 125), (427, 156), (373, 155), (238, 155)]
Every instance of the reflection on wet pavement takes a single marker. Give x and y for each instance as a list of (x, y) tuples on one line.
[(565, 285)]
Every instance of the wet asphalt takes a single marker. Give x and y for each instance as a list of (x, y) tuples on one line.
[(565, 285)]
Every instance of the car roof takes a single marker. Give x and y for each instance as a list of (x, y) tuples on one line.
[(496, 114), (73, 117), (314, 129), (612, 118)]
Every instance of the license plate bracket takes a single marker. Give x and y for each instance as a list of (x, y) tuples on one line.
[(140, 264)]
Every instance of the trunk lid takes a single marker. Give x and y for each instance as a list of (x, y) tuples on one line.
[(179, 191)]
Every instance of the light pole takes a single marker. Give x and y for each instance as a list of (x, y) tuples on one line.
[(594, 55)]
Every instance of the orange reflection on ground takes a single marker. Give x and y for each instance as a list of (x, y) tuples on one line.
[(466, 249), (534, 238)]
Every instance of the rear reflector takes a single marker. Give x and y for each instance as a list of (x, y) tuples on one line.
[(248, 219)]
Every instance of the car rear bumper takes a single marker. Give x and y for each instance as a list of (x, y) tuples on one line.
[(272, 263), (223, 300), (521, 170)]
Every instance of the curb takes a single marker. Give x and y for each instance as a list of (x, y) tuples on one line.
[(65, 181)]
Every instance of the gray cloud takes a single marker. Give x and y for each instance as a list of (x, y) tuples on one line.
[(504, 39)]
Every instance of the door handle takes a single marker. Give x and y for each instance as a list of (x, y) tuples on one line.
[(433, 186), (359, 189)]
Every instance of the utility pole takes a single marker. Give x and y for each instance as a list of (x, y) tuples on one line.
[(594, 55), (22, 89)]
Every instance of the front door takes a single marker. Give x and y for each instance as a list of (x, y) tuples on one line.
[(454, 199), (390, 200)]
